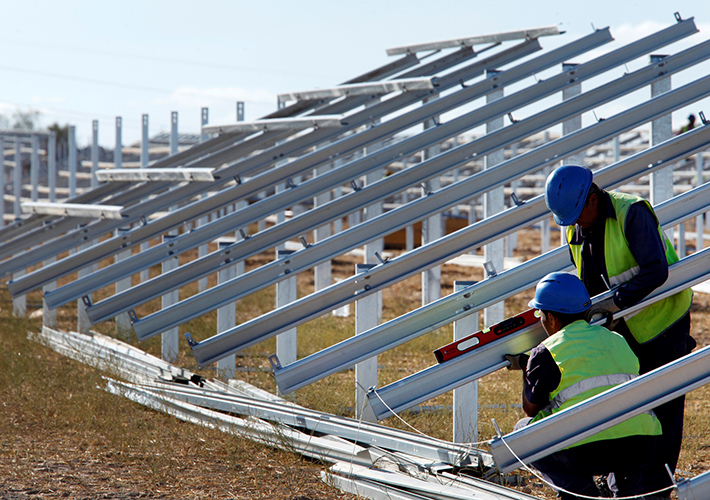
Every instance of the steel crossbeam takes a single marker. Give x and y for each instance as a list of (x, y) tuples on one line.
[(274, 124), (155, 174), (252, 165), (460, 304), (345, 291), (697, 487), (362, 198), (72, 209), (441, 378), (404, 85), (605, 410)]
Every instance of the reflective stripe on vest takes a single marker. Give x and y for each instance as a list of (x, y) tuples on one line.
[(588, 384)]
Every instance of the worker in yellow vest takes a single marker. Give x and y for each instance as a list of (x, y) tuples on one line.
[(615, 240), (576, 362)]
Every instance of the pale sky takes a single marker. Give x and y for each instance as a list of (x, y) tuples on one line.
[(75, 61)]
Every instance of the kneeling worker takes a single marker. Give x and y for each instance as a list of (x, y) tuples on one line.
[(578, 361)]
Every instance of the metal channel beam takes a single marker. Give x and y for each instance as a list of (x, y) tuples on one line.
[(345, 291), (282, 232), (274, 124), (441, 378), (72, 210), (474, 40), (460, 304), (156, 174), (603, 411), (367, 88), (220, 154), (284, 173), (697, 487), (313, 421), (253, 165)]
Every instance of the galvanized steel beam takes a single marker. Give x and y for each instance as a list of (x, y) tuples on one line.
[(367, 88), (155, 175), (72, 210)]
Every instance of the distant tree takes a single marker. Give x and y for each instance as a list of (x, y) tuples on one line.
[(25, 120), (4, 122), (62, 133)]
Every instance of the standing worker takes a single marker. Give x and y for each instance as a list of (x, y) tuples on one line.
[(576, 362), (616, 238)]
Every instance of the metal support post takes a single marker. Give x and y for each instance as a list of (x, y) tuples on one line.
[(94, 152), (118, 151), (511, 240), (569, 126), (49, 316), (51, 167), (174, 141), (371, 211), (203, 249), (240, 111), (169, 347), (227, 318), (661, 184), (72, 161), (17, 177), (286, 292), (465, 397), (365, 371), (34, 167), (432, 226), (493, 203), (122, 321), (323, 277), (145, 160), (83, 324), (19, 303), (700, 219)]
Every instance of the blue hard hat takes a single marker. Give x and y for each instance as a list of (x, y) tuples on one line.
[(566, 192), (562, 293)]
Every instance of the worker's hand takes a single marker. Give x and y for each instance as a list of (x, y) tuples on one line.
[(606, 308), (517, 361)]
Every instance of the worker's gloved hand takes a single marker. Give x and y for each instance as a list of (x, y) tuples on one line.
[(517, 361), (606, 308)]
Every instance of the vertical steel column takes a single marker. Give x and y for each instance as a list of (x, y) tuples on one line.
[(94, 152), (145, 160), (49, 316), (227, 318), (465, 397), (432, 226), (3, 180), (17, 182), (323, 277), (569, 126), (240, 111), (83, 324), (122, 321), (337, 193), (374, 210), (169, 347), (72, 161), (34, 167), (661, 184), (118, 151), (700, 219), (286, 292), (19, 303), (203, 249), (511, 240), (365, 371), (51, 166), (493, 203)]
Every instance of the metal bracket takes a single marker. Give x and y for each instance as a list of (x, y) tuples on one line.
[(243, 234), (497, 429), (190, 341), (86, 300), (677, 17), (703, 119), (596, 117), (379, 257), (463, 85), (304, 242), (354, 185), (143, 220), (512, 120), (290, 183), (516, 200), (426, 189), (237, 179), (490, 269), (132, 316), (275, 363)]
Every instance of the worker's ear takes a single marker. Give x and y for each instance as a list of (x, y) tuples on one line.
[(593, 200)]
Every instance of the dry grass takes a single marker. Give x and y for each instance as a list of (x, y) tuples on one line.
[(62, 436)]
